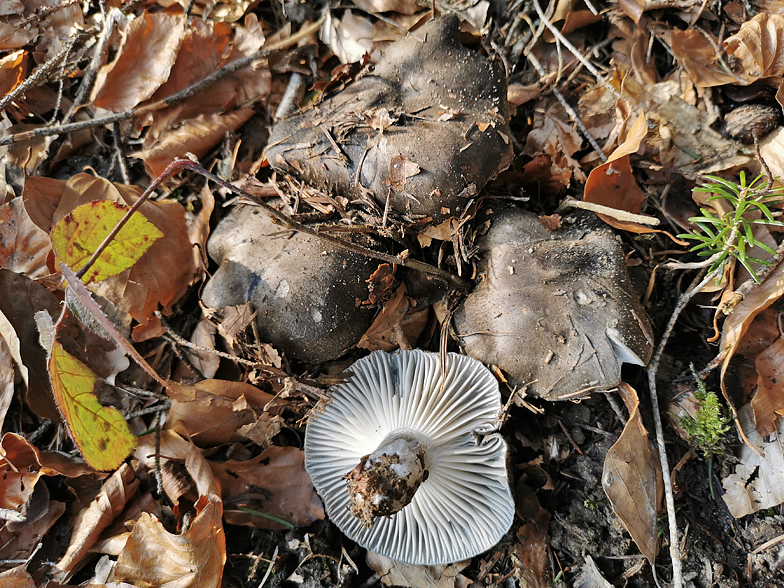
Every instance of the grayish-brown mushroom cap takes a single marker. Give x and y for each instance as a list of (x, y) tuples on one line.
[(555, 310), (464, 505)]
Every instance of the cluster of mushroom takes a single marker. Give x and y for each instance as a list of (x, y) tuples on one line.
[(407, 457)]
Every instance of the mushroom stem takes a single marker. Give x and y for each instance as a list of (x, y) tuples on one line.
[(386, 480)]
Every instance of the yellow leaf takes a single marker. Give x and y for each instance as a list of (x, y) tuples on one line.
[(78, 235), (100, 432)]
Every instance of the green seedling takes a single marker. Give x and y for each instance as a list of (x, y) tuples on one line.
[(729, 237), (708, 427)]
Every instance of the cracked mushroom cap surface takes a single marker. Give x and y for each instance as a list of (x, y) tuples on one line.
[(464, 505), (555, 310)]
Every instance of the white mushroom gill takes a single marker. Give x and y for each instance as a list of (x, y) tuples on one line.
[(438, 441)]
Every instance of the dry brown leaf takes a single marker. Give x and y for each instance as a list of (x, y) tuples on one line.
[(13, 70), (197, 135), (632, 478), (199, 230), (17, 578), (759, 44), (758, 482), (20, 299), (698, 56), (738, 321), (612, 184), (768, 402), (204, 336), (400, 169), (772, 151), (144, 59), (275, 482), (12, 37), (211, 411), (193, 559), (397, 573), (380, 283), (24, 246), (20, 469), (349, 37), (90, 522), (41, 196), (397, 326), (20, 540), (559, 142)]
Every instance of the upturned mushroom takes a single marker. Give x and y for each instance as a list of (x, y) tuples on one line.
[(409, 464)]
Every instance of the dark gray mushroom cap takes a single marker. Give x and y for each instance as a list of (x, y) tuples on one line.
[(555, 310), (464, 505)]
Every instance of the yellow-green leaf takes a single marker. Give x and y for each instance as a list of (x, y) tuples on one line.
[(77, 236), (100, 432)]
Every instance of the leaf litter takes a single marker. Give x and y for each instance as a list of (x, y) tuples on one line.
[(219, 411)]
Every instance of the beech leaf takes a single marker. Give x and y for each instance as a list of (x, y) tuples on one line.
[(77, 236), (100, 432)]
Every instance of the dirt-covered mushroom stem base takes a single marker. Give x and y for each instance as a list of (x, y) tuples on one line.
[(386, 480)]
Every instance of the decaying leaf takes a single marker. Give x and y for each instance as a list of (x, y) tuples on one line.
[(529, 553), (154, 556), (196, 135), (759, 44), (273, 483), (632, 478), (90, 522), (24, 247), (758, 482), (78, 235), (590, 576), (768, 402), (397, 326), (134, 76), (100, 432), (396, 573), (736, 324), (211, 411), (697, 53)]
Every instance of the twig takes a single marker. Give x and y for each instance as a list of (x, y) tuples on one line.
[(119, 154), (569, 110), (289, 223), (621, 215), (37, 76), (95, 63), (173, 99), (675, 551), (580, 57), (269, 568)]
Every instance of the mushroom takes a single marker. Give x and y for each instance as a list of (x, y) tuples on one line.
[(377, 136), (303, 290), (556, 310), (409, 465)]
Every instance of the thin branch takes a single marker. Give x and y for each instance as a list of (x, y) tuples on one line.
[(621, 215), (38, 76), (173, 99), (580, 57), (95, 63)]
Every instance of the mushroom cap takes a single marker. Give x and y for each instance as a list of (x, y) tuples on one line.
[(464, 506)]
